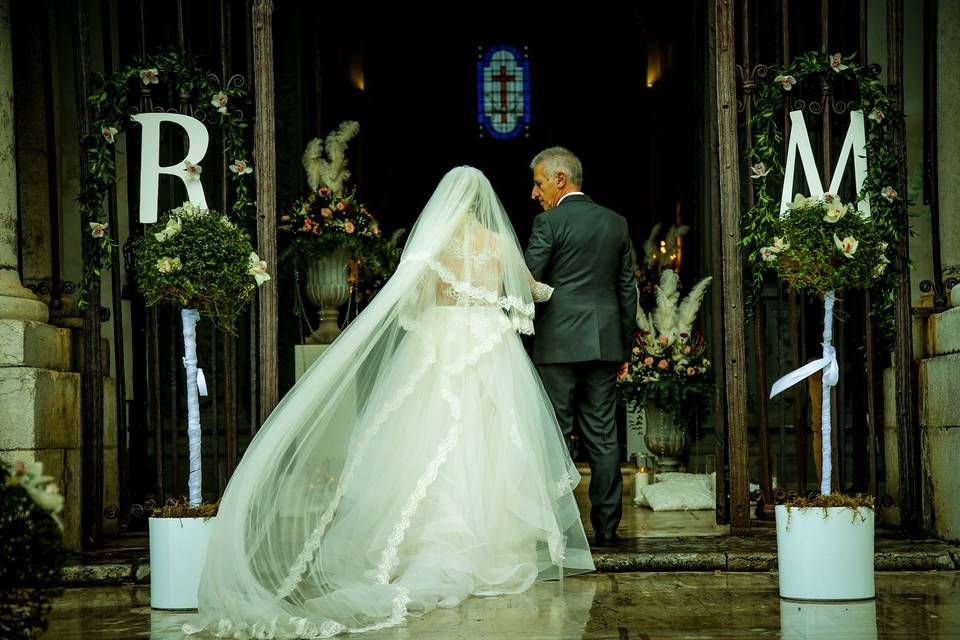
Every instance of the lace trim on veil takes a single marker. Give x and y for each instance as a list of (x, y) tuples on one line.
[(295, 574), (388, 559)]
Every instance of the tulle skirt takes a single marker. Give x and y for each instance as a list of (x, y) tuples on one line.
[(456, 482)]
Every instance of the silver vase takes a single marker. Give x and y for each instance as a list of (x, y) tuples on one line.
[(328, 287), (664, 438)]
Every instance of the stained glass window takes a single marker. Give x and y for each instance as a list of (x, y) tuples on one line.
[(503, 92)]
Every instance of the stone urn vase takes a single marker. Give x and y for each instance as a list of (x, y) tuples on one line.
[(328, 287), (664, 438)]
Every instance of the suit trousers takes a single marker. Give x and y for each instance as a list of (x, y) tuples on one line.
[(585, 392)]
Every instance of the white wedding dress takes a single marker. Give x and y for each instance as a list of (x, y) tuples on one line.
[(418, 462)]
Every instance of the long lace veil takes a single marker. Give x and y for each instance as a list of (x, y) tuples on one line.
[(280, 506)]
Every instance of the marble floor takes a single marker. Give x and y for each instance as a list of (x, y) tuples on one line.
[(621, 606)]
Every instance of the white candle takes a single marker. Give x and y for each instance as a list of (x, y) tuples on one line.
[(640, 480)]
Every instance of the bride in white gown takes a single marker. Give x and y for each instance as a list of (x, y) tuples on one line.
[(416, 463)]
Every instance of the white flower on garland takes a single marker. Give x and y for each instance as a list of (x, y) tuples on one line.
[(799, 201), (240, 167), (848, 246), (172, 228), (97, 229), (193, 170), (150, 76), (220, 102), (190, 210), (769, 254), (758, 170), (876, 115), (258, 269), (889, 193), (167, 264), (672, 317), (330, 172), (786, 81), (836, 63), (109, 133), (835, 209)]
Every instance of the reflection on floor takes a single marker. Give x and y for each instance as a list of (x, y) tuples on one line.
[(638, 606), (641, 522)]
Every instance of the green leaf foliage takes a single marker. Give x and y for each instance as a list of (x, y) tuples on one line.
[(199, 259)]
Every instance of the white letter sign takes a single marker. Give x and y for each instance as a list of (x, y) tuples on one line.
[(150, 169), (854, 141)]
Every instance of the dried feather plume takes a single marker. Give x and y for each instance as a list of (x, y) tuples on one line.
[(672, 317), (330, 172)]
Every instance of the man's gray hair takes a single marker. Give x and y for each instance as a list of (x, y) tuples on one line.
[(556, 159)]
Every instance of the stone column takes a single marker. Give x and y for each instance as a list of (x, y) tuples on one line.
[(948, 110), (16, 301)]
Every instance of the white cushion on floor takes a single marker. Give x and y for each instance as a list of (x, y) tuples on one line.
[(680, 492)]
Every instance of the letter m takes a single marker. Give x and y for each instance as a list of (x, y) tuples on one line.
[(855, 142)]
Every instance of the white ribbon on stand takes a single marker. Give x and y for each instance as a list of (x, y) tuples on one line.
[(831, 374), (189, 318)]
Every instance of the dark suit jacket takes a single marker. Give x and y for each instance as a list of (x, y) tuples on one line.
[(583, 251)]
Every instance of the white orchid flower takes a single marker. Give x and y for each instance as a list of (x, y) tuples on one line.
[(889, 193), (193, 170), (150, 76), (220, 102), (109, 133), (240, 167), (836, 63), (166, 264), (173, 228), (779, 244), (758, 170), (876, 115), (835, 212), (258, 269), (786, 81), (848, 246), (768, 254), (97, 229), (799, 201)]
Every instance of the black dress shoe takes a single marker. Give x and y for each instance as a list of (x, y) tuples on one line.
[(607, 542)]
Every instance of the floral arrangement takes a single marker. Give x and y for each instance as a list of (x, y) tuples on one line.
[(31, 548), (776, 89), (822, 244), (668, 367), (324, 221), (331, 216), (199, 259), (110, 114)]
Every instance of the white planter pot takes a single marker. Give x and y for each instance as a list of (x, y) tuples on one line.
[(825, 556), (178, 551), (803, 620)]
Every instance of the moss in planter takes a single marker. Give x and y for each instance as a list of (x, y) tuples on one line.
[(821, 501), (182, 509), (831, 500)]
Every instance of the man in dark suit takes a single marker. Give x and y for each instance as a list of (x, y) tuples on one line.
[(583, 333)]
